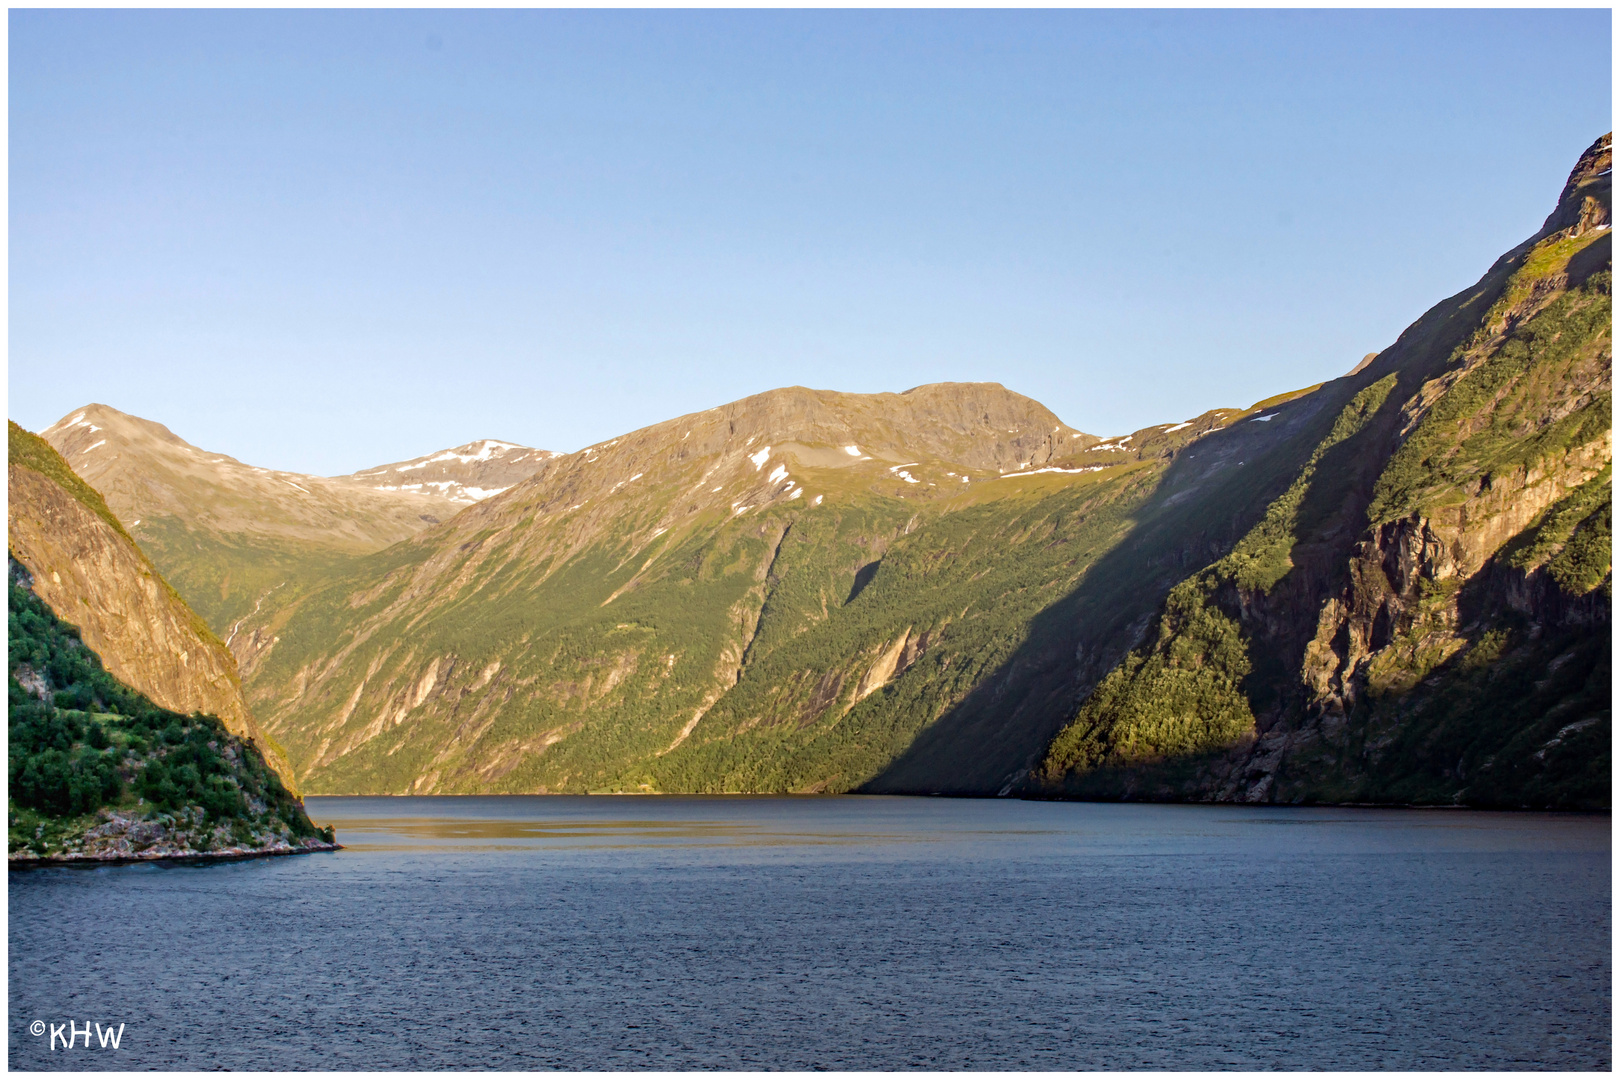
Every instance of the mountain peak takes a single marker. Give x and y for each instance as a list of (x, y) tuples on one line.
[(1584, 203)]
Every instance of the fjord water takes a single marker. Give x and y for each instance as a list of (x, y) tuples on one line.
[(847, 932)]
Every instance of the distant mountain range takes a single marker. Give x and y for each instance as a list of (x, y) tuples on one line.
[(225, 532), (1393, 587)]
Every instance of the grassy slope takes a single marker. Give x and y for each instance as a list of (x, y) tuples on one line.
[(224, 576), (25, 448)]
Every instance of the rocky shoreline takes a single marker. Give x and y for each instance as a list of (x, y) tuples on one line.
[(119, 838)]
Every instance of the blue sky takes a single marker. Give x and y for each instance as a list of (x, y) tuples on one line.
[(326, 240)]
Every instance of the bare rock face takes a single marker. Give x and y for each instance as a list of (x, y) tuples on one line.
[(1584, 204), (146, 636)]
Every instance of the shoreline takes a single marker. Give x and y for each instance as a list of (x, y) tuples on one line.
[(25, 860), (968, 796)]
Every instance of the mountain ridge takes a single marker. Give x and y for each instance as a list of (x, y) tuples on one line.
[(228, 532)]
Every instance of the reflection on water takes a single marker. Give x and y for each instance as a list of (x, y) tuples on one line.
[(373, 834), (457, 833), (844, 933)]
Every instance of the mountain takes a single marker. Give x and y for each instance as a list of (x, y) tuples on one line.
[(463, 474), (128, 733), (227, 534), (1424, 614), (777, 594)]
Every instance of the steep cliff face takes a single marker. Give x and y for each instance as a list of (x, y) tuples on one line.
[(1424, 616), (84, 565)]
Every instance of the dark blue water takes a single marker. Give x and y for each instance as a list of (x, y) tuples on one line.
[(847, 933)]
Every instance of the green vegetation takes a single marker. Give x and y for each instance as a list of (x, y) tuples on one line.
[(80, 742), (224, 578), (1502, 415), (1184, 695), (1261, 558), (1509, 720), (1180, 697), (961, 589)]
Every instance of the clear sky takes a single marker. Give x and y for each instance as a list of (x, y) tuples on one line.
[(326, 240)]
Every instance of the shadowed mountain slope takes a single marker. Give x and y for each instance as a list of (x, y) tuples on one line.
[(1423, 615)]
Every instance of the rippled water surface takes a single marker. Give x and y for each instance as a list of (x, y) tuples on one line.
[(850, 933)]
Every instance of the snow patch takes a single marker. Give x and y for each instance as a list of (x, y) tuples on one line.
[(1048, 469), (816, 501), (289, 483), (778, 473), (852, 450), (92, 446), (1178, 427), (760, 458), (796, 494), (1263, 419)]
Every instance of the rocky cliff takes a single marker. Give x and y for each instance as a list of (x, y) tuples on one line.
[(85, 566), (1424, 615)]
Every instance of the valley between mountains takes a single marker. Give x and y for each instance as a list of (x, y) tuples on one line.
[(1394, 587)]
